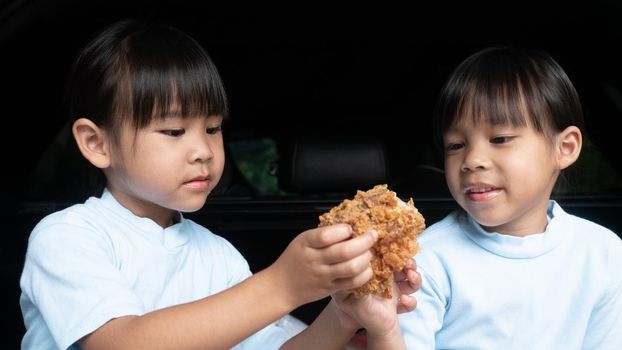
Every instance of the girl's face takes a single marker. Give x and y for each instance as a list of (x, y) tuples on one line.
[(170, 165), (501, 175)]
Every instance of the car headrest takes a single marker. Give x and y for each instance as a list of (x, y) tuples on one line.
[(309, 166)]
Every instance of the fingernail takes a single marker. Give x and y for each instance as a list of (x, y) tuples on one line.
[(374, 234)]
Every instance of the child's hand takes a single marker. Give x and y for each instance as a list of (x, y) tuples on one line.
[(378, 315), (323, 260), (407, 282)]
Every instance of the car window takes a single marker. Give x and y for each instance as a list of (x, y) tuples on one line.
[(257, 160)]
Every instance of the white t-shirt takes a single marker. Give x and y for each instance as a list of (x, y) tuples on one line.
[(560, 289), (97, 261)]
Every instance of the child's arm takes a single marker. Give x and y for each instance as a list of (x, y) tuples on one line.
[(327, 332), (316, 263), (337, 324), (378, 315)]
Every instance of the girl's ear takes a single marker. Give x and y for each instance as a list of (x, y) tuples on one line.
[(569, 143), (92, 141)]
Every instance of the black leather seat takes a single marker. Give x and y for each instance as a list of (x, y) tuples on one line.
[(325, 166)]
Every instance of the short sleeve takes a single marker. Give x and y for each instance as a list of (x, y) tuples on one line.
[(70, 278)]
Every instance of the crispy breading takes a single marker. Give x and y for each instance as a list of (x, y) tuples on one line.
[(398, 224)]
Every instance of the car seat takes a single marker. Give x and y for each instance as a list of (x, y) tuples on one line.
[(315, 165)]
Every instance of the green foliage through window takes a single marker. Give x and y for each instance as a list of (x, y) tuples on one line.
[(256, 159)]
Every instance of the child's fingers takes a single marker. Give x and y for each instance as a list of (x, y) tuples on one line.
[(410, 283), (322, 237), (354, 281), (408, 279), (352, 267), (400, 276), (349, 249), (411, 264), (406, 303), (414, 279)]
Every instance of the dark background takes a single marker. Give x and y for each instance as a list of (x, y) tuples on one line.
[(323, 67), (292, 70)]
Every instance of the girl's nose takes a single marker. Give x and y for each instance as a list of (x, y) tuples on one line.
[(475, 159), (202, 150)]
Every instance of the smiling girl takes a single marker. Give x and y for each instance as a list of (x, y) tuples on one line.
[(512, 269)]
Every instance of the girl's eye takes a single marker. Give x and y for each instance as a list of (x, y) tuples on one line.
[(453, 146), (173, 132), (214, 130), (501, 139)]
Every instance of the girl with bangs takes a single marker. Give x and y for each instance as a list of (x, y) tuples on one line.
[(126, 270), (512, 269)]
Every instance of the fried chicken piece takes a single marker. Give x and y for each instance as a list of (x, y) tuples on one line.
[(398, 224)]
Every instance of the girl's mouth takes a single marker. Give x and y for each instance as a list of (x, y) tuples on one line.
[(201, 183), (481, 193)]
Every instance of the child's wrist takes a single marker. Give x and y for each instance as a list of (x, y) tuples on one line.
[(347, 323), (279, 288), (390, 339), (392, 330)]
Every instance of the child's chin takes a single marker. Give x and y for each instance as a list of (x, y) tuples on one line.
[(191, 207)]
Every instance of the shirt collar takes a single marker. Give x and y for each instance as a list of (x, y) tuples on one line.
[(171, 236), (518, 247)]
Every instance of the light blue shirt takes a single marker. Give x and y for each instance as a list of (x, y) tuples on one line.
[(96, 261), (561, 289)]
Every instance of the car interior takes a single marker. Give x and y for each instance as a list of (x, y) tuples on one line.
[(323, 103)]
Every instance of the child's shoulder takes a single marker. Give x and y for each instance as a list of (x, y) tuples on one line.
[(597, 241), (585, 228), (60, 230), (73, 214), (77, 215)]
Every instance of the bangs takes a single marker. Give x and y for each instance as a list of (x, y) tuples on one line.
[(491, 91), (166, 73)]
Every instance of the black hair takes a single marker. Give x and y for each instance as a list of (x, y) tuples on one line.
[(133, 72), (509, 86), (140, 70)]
